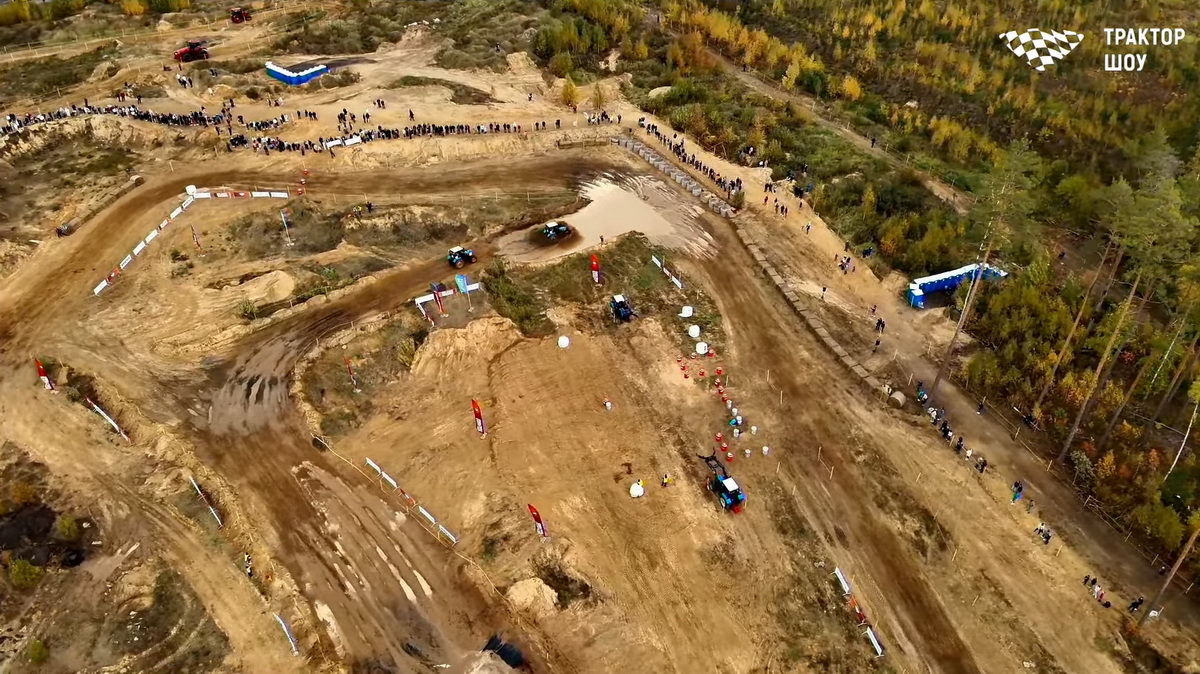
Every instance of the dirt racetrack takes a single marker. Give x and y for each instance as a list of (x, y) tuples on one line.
[(943, 567)]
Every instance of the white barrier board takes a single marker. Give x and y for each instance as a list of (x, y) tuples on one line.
[(260, 194), (126, 262), (137, 250)]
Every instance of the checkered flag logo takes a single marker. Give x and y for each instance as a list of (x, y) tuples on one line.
[(1040, 48)]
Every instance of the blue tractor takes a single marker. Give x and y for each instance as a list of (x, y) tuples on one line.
[(621, 311), (458, 257), (729, 494)]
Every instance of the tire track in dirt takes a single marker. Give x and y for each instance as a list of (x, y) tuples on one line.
[(770, 334), (257, 439)]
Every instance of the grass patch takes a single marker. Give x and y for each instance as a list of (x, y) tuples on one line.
[(342, 78), (478, 27), (378, 359), (313, 229), (239, 66), (460, 94), (361, 30), (516, 300), (523, 294), (42, 78)]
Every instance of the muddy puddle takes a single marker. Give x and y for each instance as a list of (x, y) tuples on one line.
[(619, 204)]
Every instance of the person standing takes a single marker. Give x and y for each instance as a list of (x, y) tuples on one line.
[(1136, 604)]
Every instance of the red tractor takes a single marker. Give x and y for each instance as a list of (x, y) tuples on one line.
[(239, 15), (194, 51)]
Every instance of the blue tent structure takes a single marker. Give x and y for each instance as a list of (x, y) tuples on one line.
[(295, 79), (947, 280)]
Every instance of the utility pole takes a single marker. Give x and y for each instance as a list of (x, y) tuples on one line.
[(1187, 547), (962, 318), (990, 240)]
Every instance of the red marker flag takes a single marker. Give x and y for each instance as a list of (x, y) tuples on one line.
[(350, 369), (43, 376), (537, 520), (478, 419), (595, 270), (437, 297)]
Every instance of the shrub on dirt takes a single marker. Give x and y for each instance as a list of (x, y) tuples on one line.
[(460, 94), (378, 358), (247, 310), (22, 494), (37, 652), (341, 78), (360, 30), (239, 66), (23, 574), (40, 78), (516, 300), (67, 528), (484, 31)]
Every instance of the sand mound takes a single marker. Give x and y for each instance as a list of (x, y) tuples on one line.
[(271, 287), (533, 596), (455, 348)]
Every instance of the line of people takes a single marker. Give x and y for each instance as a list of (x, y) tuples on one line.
[(676, 144)]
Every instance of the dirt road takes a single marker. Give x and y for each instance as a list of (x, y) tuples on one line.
[(365, 570)]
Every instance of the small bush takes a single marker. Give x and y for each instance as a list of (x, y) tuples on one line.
[(248, 310), (37, 652), (515, 302), (23, 574), (178, 255), (67, 528), (460, 94), (23, 494), (341, 78)]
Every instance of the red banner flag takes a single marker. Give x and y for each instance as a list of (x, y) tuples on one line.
[(43, 376), (350, 369), (596, 270), (537, 520), (478, 418)]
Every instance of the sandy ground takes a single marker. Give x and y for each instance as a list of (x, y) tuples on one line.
[(947, 571)]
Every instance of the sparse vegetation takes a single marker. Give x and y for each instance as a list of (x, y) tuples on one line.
[(334, 80), (67, 528), (247, 310), (361, 30), (484, 32), (378, 358), (460, 94), (38, 653), (24, 575), (38, 79), (515, 301)]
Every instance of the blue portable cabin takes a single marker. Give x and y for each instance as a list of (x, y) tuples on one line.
[(295, 79), (947, 280)]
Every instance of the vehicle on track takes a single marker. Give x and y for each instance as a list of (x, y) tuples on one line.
[(459, 257)]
